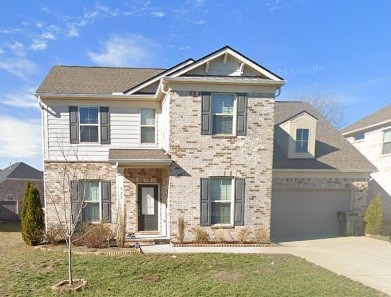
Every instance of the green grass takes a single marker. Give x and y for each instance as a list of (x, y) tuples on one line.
[(26, 271)]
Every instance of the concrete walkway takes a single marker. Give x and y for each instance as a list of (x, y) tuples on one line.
[(362, 259)]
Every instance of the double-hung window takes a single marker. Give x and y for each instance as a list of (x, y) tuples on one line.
[(89, 124), (221, 200), (147, 125), (302, 136), (90, 197), (386, 147), (223, 113)]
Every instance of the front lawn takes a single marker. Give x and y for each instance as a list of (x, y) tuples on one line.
[(27, 271)]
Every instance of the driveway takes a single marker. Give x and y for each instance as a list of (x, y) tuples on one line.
[(361, 259)]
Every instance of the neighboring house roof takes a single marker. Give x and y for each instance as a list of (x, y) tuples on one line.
[(332, 150), (93, 80), (378, 118), (20, 170)]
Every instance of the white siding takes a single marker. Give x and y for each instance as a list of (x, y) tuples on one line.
[(124, 128)]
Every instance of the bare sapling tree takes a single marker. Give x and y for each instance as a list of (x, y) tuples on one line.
[(62, 193), (328, 105)]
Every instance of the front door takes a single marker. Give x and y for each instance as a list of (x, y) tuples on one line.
[(148, 207)]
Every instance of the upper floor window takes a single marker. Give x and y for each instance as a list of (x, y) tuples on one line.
[(386, 149), (147, 125), (302, 136), (223, 113), (359, 136), (89, 124)]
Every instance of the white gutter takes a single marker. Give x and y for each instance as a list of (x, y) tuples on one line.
[(141, 161), (224, 80), (96, 96)]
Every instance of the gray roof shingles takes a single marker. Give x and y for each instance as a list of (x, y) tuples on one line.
[(138, 154), (94, 80), (380, 116), (332, 150), (20, 170)]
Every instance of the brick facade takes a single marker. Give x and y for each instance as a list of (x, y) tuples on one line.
[(199, 156)]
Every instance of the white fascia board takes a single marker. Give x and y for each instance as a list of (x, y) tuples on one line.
[(165, 73), (225, 80), (237, 56), (140, 161), (367, 127), (94, 96)]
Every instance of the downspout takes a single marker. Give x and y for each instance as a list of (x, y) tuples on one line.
[(278, 92)]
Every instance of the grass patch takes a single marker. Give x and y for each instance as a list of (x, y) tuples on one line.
[(30, 272)]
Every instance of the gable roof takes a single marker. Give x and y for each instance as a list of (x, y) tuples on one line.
[(93, 80), (20, 170), (373, 121), (332, 150), (227, 50)]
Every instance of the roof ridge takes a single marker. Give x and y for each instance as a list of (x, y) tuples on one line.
[(109, 67)]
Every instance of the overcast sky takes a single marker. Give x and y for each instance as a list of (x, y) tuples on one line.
[(338, 47)]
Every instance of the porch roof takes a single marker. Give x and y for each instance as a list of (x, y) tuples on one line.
[(139, 157)]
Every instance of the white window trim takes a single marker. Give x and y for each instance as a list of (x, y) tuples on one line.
[(232, 201), (308, 141), (155, 126), (89, 125), (99, 200), (234, 114), (382, 141)]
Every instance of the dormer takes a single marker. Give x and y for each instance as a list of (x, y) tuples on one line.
[(301, 133)]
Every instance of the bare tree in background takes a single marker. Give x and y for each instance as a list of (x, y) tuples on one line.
[(328, 105)]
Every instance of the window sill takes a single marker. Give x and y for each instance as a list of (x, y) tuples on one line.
[(222, 226), (224, 136)]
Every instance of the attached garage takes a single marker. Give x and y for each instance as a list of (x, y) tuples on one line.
[(307, 213), (9, 210)]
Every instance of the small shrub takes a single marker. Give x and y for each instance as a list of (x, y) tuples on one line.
[(55, 235), (243, 235), (32, 221), (220, 238), (93, 236), (261, 235), (181, 229), (374, 217), (201, 236)]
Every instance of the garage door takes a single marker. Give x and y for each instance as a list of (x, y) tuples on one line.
[(9, 210), (300, 214)]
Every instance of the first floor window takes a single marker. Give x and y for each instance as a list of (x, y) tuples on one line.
[(90, 196), (221, 200), (302, 136), (147, 124), (89, 124), (223, 113), (386, 142)]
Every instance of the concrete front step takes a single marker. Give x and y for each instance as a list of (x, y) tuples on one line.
[(146, 241)]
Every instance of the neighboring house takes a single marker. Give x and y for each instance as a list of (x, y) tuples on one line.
[(372, 137), (12, 187), (195, 141)]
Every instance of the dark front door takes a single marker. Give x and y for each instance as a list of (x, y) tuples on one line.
[(148, 208)]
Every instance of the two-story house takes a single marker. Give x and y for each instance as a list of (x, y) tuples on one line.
[(195, 141), (372, 137)]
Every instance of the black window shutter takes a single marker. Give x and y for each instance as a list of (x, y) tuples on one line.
[(74, 124), (206, 114), (75, 200), (239, 202), (106, 201), (205, 202), (241, 115), (104, 125)]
